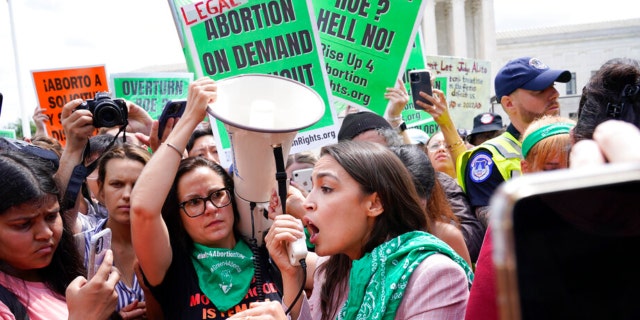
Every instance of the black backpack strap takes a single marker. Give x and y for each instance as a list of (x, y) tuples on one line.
[(15, 306)]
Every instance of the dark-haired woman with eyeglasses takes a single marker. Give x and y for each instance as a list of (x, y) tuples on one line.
[(184, 230)]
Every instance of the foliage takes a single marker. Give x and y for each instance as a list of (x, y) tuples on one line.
[(17, 126)]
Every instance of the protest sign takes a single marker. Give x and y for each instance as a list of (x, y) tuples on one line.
[(467, 86), (8, 133), (57, 87), (151, 90), (366, 44), (277, 37)]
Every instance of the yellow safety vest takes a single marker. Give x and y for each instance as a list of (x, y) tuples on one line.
[(506, 153)]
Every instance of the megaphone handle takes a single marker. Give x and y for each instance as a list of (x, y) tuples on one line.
[(281, 176), (253, 243), (210, 111)]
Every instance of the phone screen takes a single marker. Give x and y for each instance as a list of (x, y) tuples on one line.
[(576, 253)]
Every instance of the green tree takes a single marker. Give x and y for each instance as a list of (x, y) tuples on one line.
[(17, 126)]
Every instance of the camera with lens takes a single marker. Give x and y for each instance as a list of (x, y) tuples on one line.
[(106, 112)]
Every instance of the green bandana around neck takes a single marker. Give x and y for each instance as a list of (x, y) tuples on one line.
[(224, 275), (378, 280)]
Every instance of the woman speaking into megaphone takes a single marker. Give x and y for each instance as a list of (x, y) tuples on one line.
[(184, 231)]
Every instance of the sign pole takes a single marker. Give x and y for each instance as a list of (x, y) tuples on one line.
[(26, 127)]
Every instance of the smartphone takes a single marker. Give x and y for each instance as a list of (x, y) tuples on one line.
[(565, 244), (99, 244), (303, 178), (171, 109), (420, 80)]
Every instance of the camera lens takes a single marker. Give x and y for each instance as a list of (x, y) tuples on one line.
[(414, 77), (107, 114)]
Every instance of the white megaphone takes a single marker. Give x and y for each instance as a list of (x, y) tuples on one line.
[(262, 113)]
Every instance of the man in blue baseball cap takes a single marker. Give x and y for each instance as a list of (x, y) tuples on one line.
[(525, 89)]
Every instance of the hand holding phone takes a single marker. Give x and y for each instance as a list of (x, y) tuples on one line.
[(99, 244), (420, 80), (172, 109), (552, 230)]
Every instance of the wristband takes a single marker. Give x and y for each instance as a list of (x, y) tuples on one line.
[(174, 148), (394, 119), (455, 145)]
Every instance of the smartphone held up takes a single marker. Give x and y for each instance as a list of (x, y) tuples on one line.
[(563, 244), (302, 177), (420, 80), (172, 109), (99, 244)]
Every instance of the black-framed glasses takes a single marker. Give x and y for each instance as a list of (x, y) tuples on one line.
[(196, 207)]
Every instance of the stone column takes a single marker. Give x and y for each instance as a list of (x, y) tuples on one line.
[(429, 32), (488, 40), (459, 28)]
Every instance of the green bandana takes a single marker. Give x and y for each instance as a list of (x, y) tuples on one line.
[(224, 275), (378, 280)]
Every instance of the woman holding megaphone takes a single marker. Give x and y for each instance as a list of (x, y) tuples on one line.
[(184, 231), (364, 216)]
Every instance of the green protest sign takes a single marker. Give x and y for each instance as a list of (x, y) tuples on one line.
[(151, 90), (365, 44), (466, 84), (8, 133), (276, 37)]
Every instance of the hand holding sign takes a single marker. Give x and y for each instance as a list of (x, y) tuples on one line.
[(398, 99), (40, 119)]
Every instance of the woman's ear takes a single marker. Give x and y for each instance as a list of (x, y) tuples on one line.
[(374, 205), (524, 166)]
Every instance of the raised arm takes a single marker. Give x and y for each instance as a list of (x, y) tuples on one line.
[(398, 99), (40, 119), (440, 113), (149, 232), (78, 127)]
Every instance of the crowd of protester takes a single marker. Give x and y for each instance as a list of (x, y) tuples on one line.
[(397, 222)]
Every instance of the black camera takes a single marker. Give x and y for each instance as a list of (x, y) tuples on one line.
[(106, 112)]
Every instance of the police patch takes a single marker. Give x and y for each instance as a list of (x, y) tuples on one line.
[(481, 166)]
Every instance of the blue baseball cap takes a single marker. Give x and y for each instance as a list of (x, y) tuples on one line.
[(527, 73)]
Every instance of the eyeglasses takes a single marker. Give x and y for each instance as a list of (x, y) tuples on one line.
[(436, 146), (197, 206)]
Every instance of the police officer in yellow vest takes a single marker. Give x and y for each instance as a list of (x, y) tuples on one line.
[(525, 88)]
